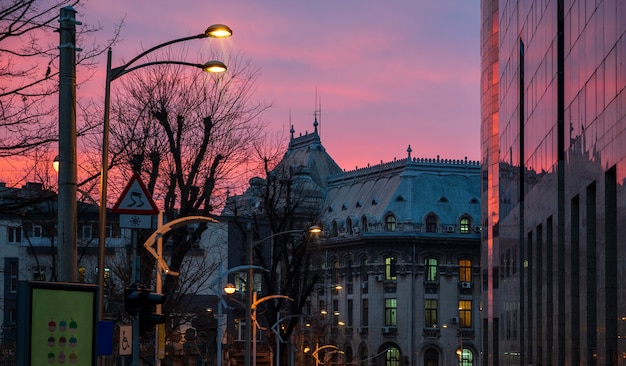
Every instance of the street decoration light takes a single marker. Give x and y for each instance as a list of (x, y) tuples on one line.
[(250, 285), (316, 351), (214, 31)]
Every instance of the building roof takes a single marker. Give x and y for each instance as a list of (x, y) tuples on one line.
[(410, 189)]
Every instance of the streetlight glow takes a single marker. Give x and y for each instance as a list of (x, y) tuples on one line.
[(315, 230), (218, 31), (229, 289), (214, 67)]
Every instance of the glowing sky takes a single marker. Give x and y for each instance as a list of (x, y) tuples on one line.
[(388, 73)]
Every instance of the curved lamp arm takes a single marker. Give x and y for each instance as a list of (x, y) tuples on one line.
[(215, 31)]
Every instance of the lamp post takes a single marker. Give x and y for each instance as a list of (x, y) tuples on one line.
[(215, 31), (276, 328), (253, 305), (229, 289), (458, 328), (250, 290)]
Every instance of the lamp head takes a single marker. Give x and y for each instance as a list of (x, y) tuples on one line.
[(55, 163), (315, 229), (229, 289), (214, 66), (218, 31)]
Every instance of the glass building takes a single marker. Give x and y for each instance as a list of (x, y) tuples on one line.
[(553, 146)]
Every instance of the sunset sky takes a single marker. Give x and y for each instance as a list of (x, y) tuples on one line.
[(388, 74)]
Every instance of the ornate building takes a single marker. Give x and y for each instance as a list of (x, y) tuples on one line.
[(398, 262)]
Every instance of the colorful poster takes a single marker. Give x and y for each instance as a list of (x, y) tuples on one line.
[(62, 327)]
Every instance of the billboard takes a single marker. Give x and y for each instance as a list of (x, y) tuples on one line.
[(59, 323)]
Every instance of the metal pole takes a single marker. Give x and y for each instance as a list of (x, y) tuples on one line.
[(102, 212), (136, 278), (159, 290), (278, 341), (67, 256), (249, 290), (219, 317), (253, 328)]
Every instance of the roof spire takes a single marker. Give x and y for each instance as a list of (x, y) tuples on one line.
[(315, 124), (292, 131), (409, 151)]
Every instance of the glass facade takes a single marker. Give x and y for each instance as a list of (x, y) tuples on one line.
[(554, 164)]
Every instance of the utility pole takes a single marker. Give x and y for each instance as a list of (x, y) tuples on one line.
[(67, 212)]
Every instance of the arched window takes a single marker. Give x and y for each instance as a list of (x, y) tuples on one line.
[(431, 223), (467, 357), (363, 356), (392, 357), (390, 223), (364, 223), (431, 357), (349, 226), (430, 269), (335, 231), (465, 225)]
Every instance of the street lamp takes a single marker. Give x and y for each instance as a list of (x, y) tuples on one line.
[(229, 289), (250, 284), (215, 31), (279, 339)]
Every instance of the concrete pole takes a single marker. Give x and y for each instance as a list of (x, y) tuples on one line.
[(67, 257)]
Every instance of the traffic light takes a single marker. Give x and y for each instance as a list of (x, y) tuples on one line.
[(148, 317), (132, 298)]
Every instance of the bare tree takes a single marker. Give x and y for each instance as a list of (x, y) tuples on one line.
[(285, 200), (195, 131), (29, 72)]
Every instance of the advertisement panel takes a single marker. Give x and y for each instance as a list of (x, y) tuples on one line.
[(62, 324)]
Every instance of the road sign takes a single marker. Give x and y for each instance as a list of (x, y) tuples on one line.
[(136, 221), (126, 340), (135, 199)]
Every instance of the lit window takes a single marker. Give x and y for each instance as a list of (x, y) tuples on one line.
[(467, 357), (391, 311), (465, 270), (431, 269), (465, 225), (81, 274), (390, 223), (430, 312), (390, 268), (392, 357), (465, 313)]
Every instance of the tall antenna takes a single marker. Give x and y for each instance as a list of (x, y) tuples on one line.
[(317, 113)]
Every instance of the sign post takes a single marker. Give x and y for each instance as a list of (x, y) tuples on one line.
[(135, 207)]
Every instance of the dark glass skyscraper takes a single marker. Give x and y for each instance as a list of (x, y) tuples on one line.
[(554, 166)]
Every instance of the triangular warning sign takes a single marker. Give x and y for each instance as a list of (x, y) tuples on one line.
[(135, 199)]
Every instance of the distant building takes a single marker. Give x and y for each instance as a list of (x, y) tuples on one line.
[(402, 240), (553, 97), (28, 245)]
